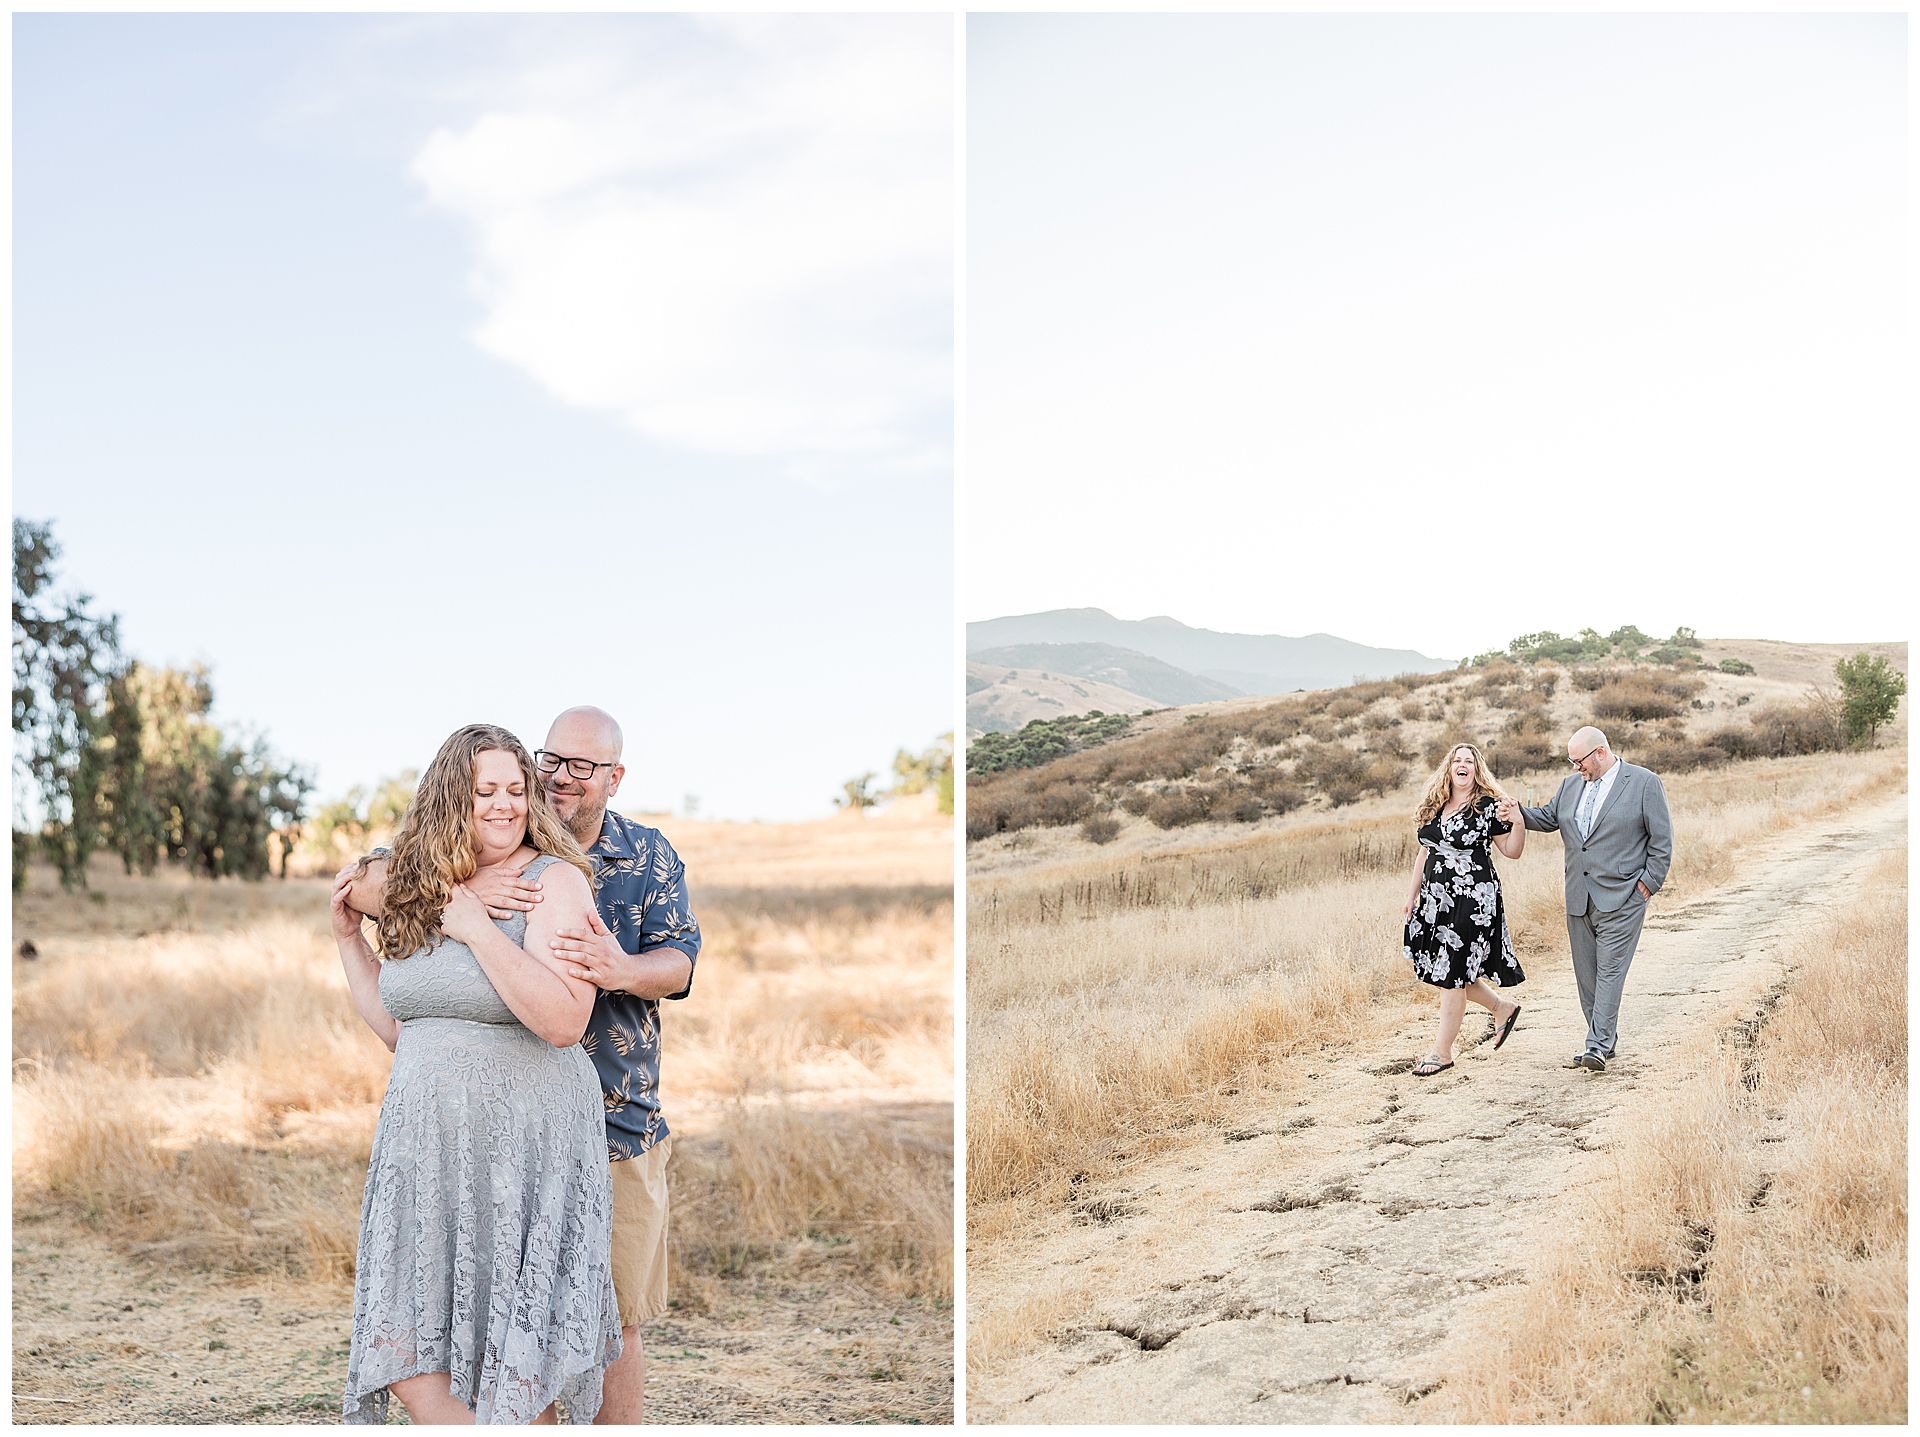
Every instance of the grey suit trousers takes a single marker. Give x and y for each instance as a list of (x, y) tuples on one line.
[(1603, 945)]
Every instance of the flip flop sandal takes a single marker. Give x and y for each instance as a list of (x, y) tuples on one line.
[(1506, 1028), (1427, 1068)]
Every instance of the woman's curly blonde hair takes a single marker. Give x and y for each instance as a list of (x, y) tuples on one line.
[(434, 848), (1441, 789)]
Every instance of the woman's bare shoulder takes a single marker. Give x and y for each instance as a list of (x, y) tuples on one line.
[(562, 879)]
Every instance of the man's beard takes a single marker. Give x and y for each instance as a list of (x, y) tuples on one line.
[(586, 820)]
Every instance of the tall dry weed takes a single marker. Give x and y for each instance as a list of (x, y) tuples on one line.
[(1746, 1260), (202, 1091)]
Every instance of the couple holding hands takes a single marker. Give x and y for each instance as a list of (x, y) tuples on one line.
[(1618, 837)]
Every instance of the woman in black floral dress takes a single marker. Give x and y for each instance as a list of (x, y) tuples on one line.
[(1456, 934)]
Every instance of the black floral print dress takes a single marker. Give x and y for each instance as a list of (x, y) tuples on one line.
[(1458, 929)]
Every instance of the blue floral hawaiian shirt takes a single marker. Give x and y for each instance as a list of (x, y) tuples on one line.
[(642, 894)]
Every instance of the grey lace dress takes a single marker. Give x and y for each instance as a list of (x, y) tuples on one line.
[(486, 1230)]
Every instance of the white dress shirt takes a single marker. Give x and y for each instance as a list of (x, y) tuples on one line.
[(1595, 794)]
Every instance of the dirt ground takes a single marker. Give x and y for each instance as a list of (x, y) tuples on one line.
[(1306, 1265), (101, 1339)]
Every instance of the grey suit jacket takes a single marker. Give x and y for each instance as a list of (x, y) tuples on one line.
[(1631, 842)]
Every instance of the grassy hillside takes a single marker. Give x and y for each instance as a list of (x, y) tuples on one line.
[(1253, 760)]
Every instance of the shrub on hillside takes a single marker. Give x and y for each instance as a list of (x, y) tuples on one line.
[(1735, 666), (1043, 740), (1343, 775), (1273, 726), (1531, 752), (1101, 828), (1672, 751), (1175, 808), (1345, 708), (1642, 696), (1783, 730), (1022, 799)]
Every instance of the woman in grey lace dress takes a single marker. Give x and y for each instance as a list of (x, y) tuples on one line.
[(483, 1289)]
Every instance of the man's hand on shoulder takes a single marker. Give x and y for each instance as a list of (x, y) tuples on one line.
[(596, 955), (505, 892)]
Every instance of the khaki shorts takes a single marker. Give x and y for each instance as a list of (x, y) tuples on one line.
[(640, 1234)]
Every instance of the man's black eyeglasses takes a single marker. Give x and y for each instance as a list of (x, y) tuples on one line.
[(581, 768), (1576, 762)]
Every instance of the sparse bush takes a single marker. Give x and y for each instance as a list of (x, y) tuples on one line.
[(1274, 726), (1344, 708), (1412, 710), (1238, 805), (1025, 799), (1175, 808), (1633, 696), (1735, 666), (1378, 719), (1735, 741), (1137, 801), (1523, 753), (1782, 730), (1670, 751), (1284, 797), (1101, 828)]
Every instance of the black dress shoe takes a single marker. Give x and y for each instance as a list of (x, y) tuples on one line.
[(1592, 1062)]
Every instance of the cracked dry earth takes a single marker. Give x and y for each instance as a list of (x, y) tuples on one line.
[(1308, 1268)]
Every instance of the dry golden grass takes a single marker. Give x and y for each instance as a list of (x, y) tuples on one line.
[(192, 1081), (1117, 996), (1746, 1260)]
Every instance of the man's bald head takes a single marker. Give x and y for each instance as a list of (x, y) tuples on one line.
[(586, 732), (1587, 751)]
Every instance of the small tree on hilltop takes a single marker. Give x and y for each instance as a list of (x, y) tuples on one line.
[(1870, 691), (857, 794)]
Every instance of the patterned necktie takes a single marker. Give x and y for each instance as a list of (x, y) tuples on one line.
[(1586, 809)]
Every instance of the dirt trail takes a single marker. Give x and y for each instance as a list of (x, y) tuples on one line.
[(1308, 1271)]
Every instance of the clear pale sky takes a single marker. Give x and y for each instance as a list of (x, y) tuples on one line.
[(1432, 330), (418, 370)]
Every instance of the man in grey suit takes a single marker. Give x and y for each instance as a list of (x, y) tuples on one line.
[(1612, 819)]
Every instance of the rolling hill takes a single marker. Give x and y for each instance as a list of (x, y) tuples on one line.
[(1002, 700), (1250, 663), (1127, 669)]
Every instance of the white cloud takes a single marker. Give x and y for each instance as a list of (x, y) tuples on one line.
[(737, 235)]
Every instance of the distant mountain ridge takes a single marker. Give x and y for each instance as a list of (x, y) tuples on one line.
[(1128, 669), (1249, 663)]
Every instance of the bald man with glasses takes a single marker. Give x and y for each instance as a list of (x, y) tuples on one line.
[(1618, 836), (640, 949)]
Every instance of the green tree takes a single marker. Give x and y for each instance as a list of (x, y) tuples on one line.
[(857, 793), (1870, 691), (349, 826), (126, 757), (930, 768), (64, 657)]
